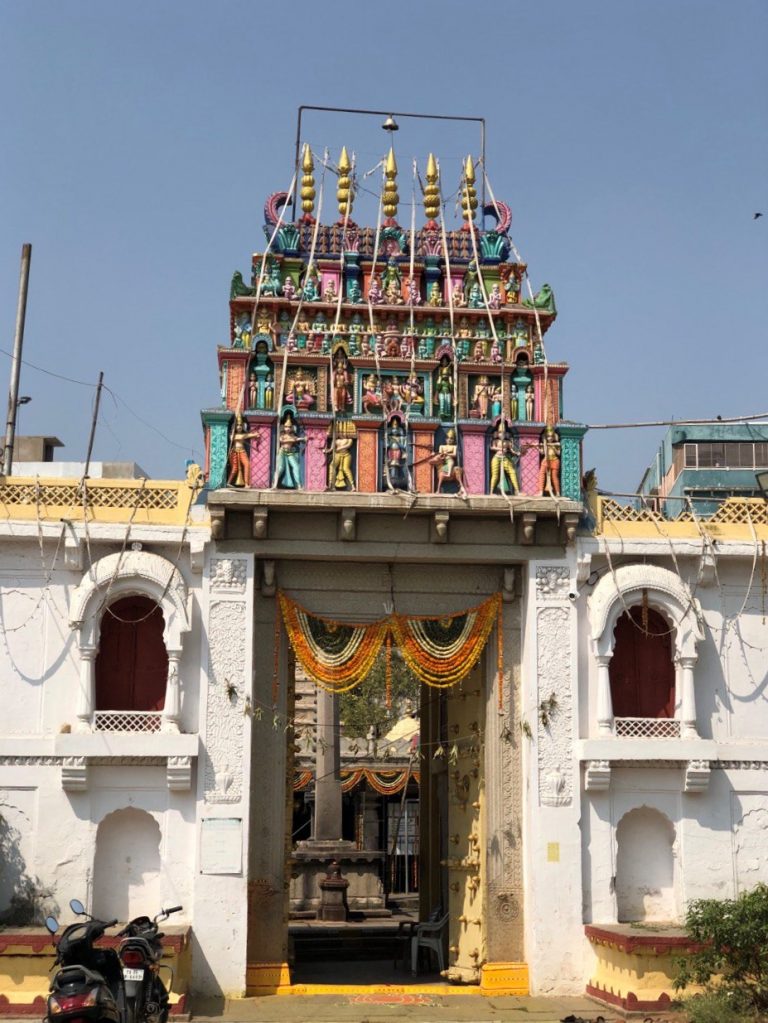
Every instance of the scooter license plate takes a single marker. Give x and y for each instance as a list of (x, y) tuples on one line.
[(130, 974)]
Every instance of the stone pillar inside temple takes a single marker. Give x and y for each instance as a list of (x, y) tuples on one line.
[(327, 824)]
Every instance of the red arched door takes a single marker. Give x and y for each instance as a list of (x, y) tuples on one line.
[(132, 663), (642, 671)]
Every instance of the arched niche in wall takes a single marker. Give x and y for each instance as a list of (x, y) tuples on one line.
[(126, 867), (110, 580), (132, 662), (630, 590), (646, 882)]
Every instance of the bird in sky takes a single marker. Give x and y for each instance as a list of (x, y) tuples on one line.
[(755, 216)]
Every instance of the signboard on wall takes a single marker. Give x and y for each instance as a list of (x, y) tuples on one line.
[(221, 845)]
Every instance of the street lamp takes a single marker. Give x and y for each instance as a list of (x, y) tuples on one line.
[(762, 482)]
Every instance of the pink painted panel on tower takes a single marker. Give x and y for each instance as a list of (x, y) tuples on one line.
[(529, 461), (474, 462), (315, 468), (261, 449)]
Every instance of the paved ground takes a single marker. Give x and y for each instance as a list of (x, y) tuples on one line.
[(379, 1008)]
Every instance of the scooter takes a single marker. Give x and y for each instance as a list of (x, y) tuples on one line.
[(89, 984), (146, 997)]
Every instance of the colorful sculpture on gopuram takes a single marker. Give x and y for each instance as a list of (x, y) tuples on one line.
[(400, 358)]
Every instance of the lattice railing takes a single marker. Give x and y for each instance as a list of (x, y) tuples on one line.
[(127, 720), (734, 511), (646, 728), (30, 495)]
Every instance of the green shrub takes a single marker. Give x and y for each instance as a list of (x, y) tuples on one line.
[(731, 960)]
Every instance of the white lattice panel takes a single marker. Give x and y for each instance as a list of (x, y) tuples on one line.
[(647, 728), (127, 720)]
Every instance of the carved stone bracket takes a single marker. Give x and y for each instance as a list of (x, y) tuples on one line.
[(509, 585), (707, 569), (218, 523), (268, 585), (526, 528), (197, 554), (583, 568), (178, 774), (73, 553), (597, 777), (260, 523), (347, 524), (74, 774), (439, 527), (568, 525), (697, 774)]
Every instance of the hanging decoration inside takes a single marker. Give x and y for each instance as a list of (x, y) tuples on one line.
[(439, 651)]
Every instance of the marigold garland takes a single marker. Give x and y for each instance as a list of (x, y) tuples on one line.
[(439, 650), (276, 662), (302, 779), (500, 656)]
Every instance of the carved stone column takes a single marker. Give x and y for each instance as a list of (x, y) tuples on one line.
[(86, 697), (688, 708), (172, 705), (604, 701), (327, 778)]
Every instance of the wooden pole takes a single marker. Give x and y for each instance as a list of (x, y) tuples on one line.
[(18, 341), (93, 424)]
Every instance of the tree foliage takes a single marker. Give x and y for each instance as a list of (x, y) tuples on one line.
[(732, 953), (365, 705)]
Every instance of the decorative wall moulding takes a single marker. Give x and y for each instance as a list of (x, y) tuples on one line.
[(74, 774), (597, 776)]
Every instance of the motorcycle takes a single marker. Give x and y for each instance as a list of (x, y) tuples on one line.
[(89, 984), (146, 997)]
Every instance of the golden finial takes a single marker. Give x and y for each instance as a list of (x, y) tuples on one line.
[(431, 191), (390, 198), (469, 195), (307, 181), (344, 190)]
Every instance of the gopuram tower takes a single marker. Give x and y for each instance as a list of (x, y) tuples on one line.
[(388, 464)]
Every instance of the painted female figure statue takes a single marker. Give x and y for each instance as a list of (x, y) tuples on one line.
[(529, 403), (549, 468), (481, 396), (239, 462), (396, 460), (503, 451), (375, 294), (289, 456), (445, 459), (341, 396), (371, 395), (444, 389)]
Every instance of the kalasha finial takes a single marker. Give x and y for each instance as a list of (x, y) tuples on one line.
[(431, 191), (390, 199), (469, 195), (307, 182), (344, 191)]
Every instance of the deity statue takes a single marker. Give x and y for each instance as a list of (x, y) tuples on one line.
[(329, 291), (392, 349), (459, 301), (397, 474), (544, 300), (478, 352), (494, 299), (292, 344), (503, 451), (311, 289), (481, 397), (390, 394), (264, 322), (529, 403), (549, 467), (435, 294), (300, 392), (340, 472), (476, 300), (470, 280), (520, 333), (444, 389), (365, 347), (289, 288), (239, 462), (412, 395), (414, 298), (270, 283), (289, 455), (513, 405), (342, 399), (375, 293), (253, 390), (372, 401), (496, 352), (448, 469), (269, 392), (354, 292), (406, 347), (512, 290), (242, 331), (497, 400), (391, 282)]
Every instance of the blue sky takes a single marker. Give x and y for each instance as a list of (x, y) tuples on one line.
[(139, 142)]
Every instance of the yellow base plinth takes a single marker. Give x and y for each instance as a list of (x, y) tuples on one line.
[(267, 979), (504, 979)]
